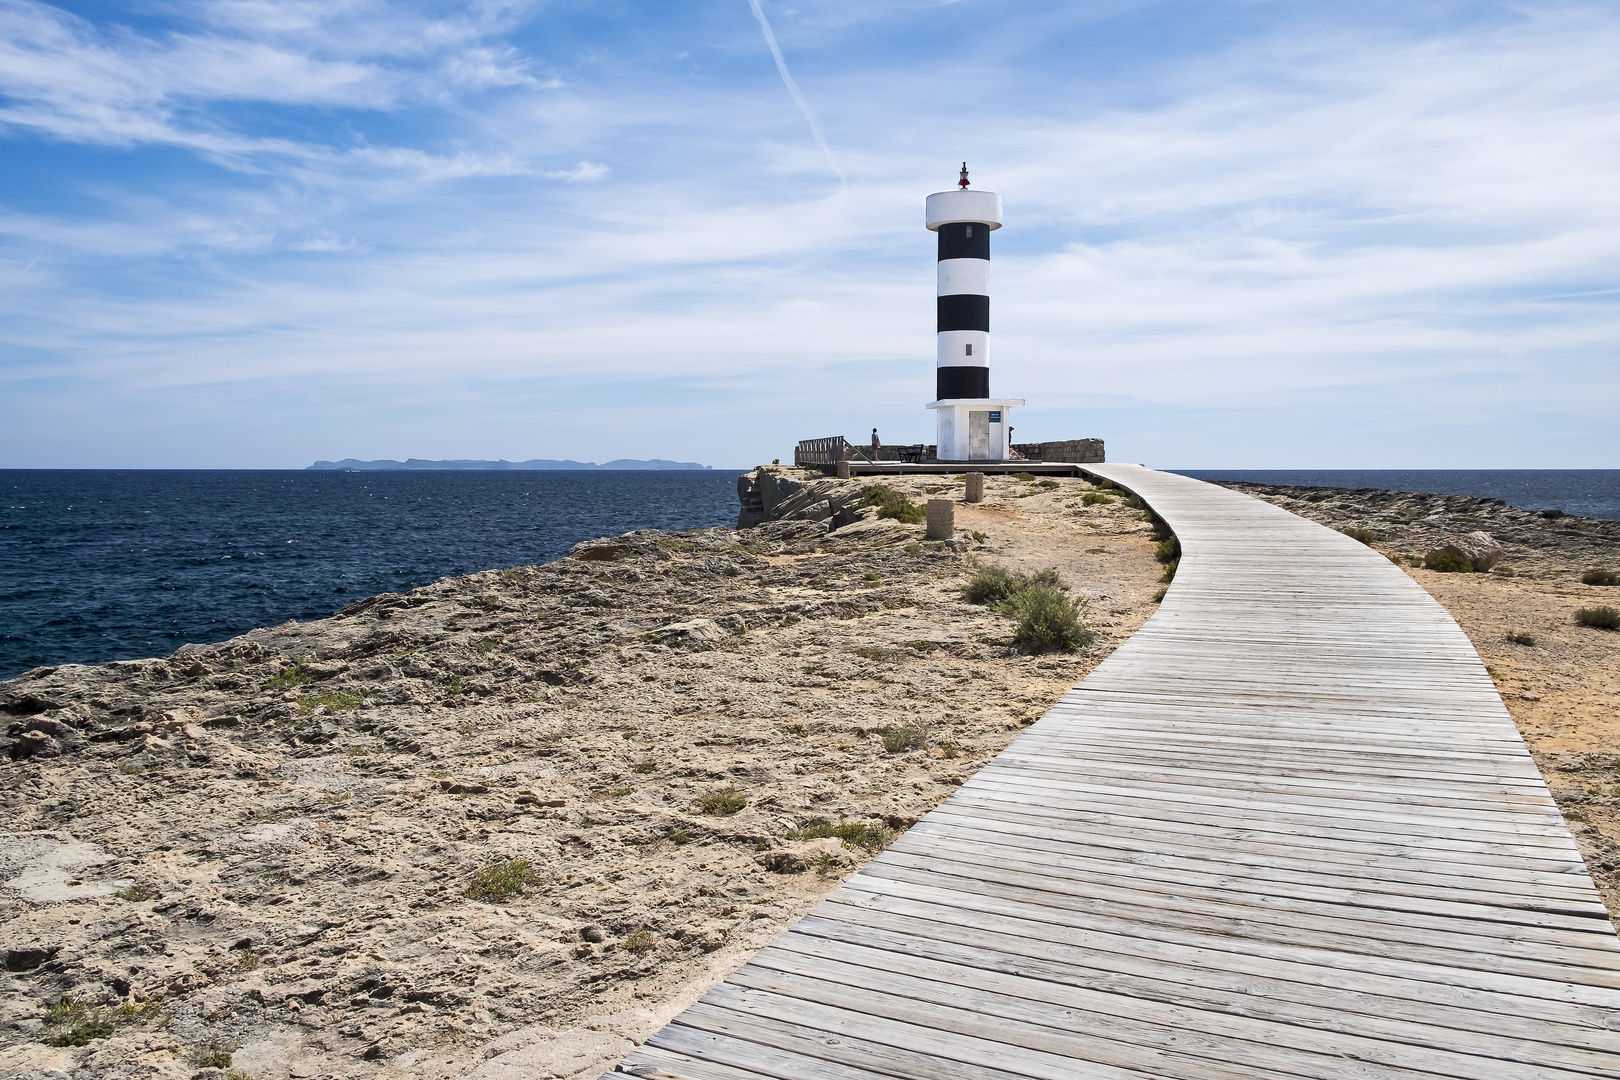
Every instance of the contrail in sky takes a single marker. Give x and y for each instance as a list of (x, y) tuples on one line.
[(793, 88)]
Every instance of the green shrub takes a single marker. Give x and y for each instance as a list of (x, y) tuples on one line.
[(991, 585), (639, 942), (1527, 640), (212, 1056), (723, 803), (292, 675), (853, 834), (137, 893), (897, 740), (79, 1024), (1047, 619), (1600, 577), (1169, 574), (1158, 597), (1604, 618), (501, 882), (1095, 498), (1168, 551), (1366, 536), (994, 585), (333, 703), (873, 652), (1453, 562), (1023, 476), (892, 504)]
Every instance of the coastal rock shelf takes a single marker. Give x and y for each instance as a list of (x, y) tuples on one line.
[(1288, 829)]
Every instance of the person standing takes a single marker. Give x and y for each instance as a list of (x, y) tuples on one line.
[(877, 444)]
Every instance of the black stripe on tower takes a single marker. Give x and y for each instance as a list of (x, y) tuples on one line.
[(964, 311), (961, 382), (964, 240)]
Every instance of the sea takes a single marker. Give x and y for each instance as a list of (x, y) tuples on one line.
[(1593, 493), (116, 565)]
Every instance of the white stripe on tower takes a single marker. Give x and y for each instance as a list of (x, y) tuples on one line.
[(964, 220)]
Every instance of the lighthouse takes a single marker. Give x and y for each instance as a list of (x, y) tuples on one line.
[(972, 425)]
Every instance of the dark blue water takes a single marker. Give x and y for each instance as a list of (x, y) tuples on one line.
[(107, 565), (1593, 493)]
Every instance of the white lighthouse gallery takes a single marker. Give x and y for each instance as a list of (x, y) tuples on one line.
[(972, 425)]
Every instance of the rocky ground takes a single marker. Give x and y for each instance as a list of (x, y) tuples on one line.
[(1560, 680), (285, 855)]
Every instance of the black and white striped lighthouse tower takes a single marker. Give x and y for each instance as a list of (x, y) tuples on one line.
[(972, 426)]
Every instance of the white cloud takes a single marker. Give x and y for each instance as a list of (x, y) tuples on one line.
[(584, 171)]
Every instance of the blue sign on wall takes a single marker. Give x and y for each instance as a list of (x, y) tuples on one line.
[(995, 416)]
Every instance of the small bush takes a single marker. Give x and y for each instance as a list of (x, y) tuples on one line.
[(1168, 551), (1527, 640), (137, 893), (643, 767), (852, 833), (333, 703), (872, 652), (81, 1024), (924, 647), (1023, 476), (212, 1056), (1169, 574), (1600, 577), (994, 585), (979, 537), (1366, 536), (723, 803), (1453, 562), (1158, 597), (1604, 618), (1095, 498), (501, 882), (892, 504), (292, 675), (991, 585), (639, 942), (1047, 619), (678, 837), (897, 740)]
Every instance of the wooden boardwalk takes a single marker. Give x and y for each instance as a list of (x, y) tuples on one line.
[(1286, 830)]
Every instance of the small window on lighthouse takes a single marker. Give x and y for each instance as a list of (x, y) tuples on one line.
[(970, 350)]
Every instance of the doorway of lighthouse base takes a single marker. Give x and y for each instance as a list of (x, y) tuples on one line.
[(985, 439)]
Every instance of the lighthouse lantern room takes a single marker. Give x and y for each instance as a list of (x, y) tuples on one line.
[(972, 425)]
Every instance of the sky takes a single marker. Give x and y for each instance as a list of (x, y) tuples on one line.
[(1239, 233)]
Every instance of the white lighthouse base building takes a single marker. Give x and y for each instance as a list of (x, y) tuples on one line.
[(974, 429)]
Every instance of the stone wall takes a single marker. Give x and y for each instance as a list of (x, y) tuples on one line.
[(1079, 451)]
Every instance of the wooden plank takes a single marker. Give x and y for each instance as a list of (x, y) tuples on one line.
[(1287, 829)]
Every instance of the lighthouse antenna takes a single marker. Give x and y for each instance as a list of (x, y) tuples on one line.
[(964, 181)]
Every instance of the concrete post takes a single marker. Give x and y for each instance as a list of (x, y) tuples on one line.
[(941, 519), (975, 487), (843, 469)]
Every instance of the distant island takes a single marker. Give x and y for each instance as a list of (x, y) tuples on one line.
[(352, 465)]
